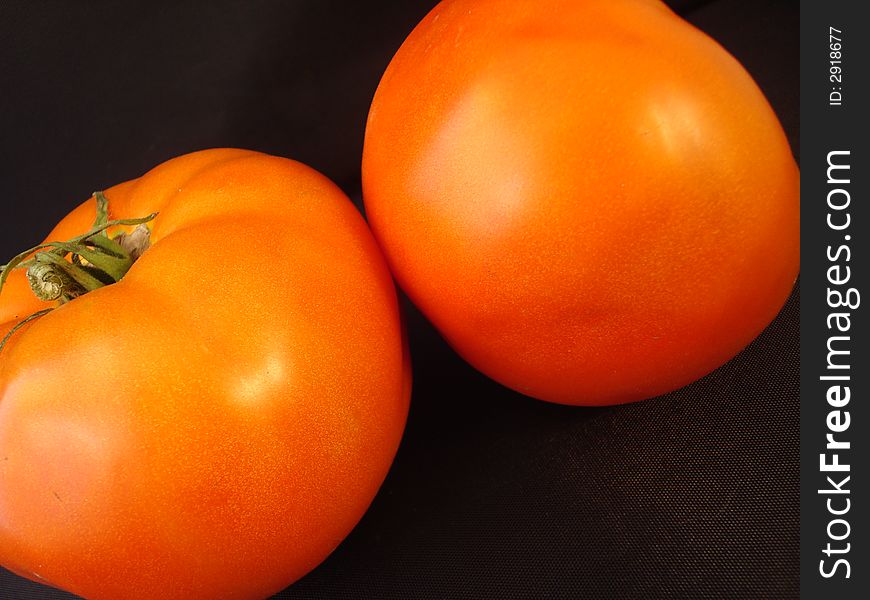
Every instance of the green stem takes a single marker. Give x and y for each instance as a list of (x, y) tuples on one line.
[(18, 259), (52, 277), (63, 271), (102, 209)]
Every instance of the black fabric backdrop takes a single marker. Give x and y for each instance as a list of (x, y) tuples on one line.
[(492, 495)]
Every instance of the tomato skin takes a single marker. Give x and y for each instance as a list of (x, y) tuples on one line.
[(592, 201), (213, 425)]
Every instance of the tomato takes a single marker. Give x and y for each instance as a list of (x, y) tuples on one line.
[(216, 422), (591, 200)]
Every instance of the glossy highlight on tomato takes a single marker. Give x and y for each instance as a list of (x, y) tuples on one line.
[(591, 200), (215, 423)]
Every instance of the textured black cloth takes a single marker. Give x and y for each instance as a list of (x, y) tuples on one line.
[(493, 495)]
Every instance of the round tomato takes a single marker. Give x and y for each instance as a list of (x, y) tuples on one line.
[(216, 422), (591, 200)]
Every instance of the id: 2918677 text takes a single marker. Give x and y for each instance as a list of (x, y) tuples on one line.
[(835, 46)]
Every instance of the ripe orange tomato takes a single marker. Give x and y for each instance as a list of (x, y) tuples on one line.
[(216, 422), (591, 200)]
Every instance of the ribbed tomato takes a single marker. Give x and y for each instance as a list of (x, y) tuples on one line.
[(213, 424)]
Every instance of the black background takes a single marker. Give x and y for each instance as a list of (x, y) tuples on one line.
[(492, 495)]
